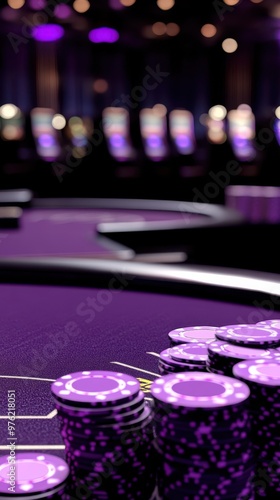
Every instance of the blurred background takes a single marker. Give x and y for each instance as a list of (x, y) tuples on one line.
[(162, 99)]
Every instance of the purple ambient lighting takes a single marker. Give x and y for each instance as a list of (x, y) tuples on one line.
[(46, 141), (62, 11), (48, 32), (183, 141), (103, 35), (117, 141), (154, 141), (37, 4)]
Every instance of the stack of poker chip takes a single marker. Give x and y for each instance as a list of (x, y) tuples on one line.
[(251, 335), (263, 378), (202, 437), (32, 476), (182, 358), (192, 334), (222, 356), (107, 429)]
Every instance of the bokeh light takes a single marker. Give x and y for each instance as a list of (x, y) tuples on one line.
[(165, 4), (127, 3), (62, 11), (16, 4), (103, 35), (47, 32), (208, 30), (37, 4), (58, 122), (8, 111), (81, 6), (11, 133), (277, 112), (229, 45), (100, 86), (172, 29), (217, 112), (159, 28), (231, 2)]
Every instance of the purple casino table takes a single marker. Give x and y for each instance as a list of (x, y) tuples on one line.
[(104, 228), (62, 316)]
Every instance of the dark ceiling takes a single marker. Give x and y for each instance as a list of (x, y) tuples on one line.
[(245, 21)]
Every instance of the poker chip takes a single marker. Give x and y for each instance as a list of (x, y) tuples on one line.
[(33, 476), (95, 388), (271, 323), (193, 353), (192, 334), (165, 369), (203, 436), (222, 356), (260, 371), (263, 378), (199, 390), (106, 424), (259, 336), (183, 357)]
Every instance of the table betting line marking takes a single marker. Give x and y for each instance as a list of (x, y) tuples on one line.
[(28, 378), (154, 354), (32, 417), (135, 368), (35, 447)]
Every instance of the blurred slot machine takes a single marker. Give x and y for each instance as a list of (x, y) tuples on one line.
[(116, 126), (45, 135), (215, 123), (79, 130), (181, 125), (153, 127), (241, 131), (12, 123)]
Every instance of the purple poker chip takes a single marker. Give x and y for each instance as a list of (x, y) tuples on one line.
[(95, 388), (190, 353), (249, 335), (259, 371), (78, 412), (271, 323), (165, 369), (33, 473), (224, 349), (199, 390), (191, 334), (175, 357)]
